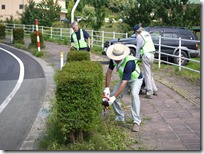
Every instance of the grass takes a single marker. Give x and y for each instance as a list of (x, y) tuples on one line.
[(97, 50), (185, 74), (107, 136), (64, 41)]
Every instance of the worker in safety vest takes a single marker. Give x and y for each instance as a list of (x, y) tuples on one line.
[(130, 78), (146, 49), (80, 39)]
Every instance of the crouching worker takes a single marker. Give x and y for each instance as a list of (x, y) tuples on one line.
[(130, 78)]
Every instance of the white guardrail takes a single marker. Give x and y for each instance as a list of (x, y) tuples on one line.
[(99, 37)]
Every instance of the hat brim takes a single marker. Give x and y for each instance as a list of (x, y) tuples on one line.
[(124, 48)]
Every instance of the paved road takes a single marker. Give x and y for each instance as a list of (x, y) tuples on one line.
[(18, 116)]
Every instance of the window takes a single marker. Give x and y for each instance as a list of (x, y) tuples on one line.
[(21, 6), (155, 35), (170, 35), (3, 7)]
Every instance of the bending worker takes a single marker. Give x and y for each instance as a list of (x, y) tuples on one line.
[(145, 48), (130, 78), (80, 39)]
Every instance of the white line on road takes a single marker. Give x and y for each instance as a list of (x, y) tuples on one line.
[(18, 84)]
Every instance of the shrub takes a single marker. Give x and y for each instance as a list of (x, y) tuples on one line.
[(34, 40), (74, 55), (18, 35), (2, 31), (79, 88)]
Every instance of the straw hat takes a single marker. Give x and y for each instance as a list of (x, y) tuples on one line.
[(117, 51)]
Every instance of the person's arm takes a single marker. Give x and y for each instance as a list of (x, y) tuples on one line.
[(72, 41), (109, 73), (140, 43), (89, 42), (122, 86)]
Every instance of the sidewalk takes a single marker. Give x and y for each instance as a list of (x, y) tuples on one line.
[(169, 122)]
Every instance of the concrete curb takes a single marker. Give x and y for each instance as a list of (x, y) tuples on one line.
[(39, 125)]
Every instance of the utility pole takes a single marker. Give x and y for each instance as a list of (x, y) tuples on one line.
[(72, 14)]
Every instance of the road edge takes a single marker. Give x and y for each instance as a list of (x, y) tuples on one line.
[(39, 125)]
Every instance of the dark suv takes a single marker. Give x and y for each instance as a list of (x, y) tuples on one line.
[(189, 49)]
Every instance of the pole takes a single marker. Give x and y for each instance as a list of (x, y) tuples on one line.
[(37, 34), (179, 53), (61, 60), (72, 14), (159, 64)]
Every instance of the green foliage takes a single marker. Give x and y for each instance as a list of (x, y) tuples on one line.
[(46, 12), (96, 49), (34, 40), (2, 31), (18, 35), (69, 8), (78, 56), (78, 95), (38, 53)]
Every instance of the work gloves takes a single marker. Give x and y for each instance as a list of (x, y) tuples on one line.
[(106, 92), (111, 100)]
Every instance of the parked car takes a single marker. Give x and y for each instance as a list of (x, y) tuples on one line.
[(189, 49)]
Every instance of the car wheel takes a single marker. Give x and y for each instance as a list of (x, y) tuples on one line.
[(183, 55), (132, 52)]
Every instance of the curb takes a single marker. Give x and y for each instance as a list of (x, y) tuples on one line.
[(39, 125)]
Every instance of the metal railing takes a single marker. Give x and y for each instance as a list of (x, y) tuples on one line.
[(98, 38), (177, 50)]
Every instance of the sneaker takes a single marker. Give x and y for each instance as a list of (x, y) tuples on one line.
[(155, 93), (149, 96), (135, 127)]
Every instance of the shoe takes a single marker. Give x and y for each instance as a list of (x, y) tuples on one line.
[(135, 127), (155, 93), (149, 96)]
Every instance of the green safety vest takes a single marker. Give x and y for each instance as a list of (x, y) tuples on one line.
[(135, 74), (148, 45), (79, 43)]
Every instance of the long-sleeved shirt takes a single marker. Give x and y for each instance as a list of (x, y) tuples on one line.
[(140, 43)]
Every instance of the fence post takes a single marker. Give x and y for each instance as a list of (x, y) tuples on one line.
[(60, 33), (92, 38), (51, 32), (113, 35), (126, 35), (14, 25), (11, 36), (159, 64), (179, 53), (102, 39), (61, 60), (24, 27)]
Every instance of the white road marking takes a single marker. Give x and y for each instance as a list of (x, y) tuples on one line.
[(18, 84)]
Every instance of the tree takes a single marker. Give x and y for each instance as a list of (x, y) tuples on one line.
[(69, 7), (47, 12)]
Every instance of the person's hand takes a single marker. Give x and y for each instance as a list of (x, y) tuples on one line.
[(88, 49), (72, 48), (106, 92), (111, 100)]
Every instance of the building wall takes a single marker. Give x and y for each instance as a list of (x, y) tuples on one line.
[(13, 6)]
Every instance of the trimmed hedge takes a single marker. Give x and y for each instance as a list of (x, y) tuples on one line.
[(2, 31), (79, 89), (75, 55), (34, 39), (18, 35)]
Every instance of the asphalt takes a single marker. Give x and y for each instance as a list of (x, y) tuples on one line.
[(19, 115)]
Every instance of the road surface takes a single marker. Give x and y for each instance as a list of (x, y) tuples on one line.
[(22, 89)]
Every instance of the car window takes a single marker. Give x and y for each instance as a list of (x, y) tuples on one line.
[(155, 35), (169, 35)]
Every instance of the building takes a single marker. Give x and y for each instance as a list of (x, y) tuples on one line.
[(11, 7)]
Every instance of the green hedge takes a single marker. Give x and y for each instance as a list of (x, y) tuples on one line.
[(79, 89), (34, 39), (18, 35), (75, 55), (2, 31)]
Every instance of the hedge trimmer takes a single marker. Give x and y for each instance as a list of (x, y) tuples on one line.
[(105, 104)]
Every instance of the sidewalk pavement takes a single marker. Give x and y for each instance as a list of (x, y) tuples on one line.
[(169, 121)]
